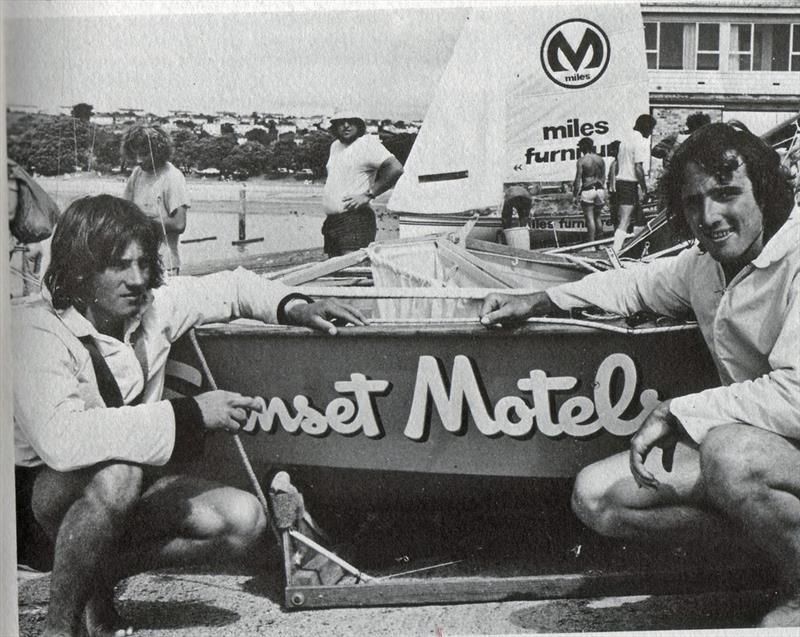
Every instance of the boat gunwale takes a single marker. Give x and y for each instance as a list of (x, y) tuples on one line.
[(454, 327)]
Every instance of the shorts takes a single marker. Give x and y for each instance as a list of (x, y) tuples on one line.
[(594, 195), (34, 547), (627, 193), (349, 231)]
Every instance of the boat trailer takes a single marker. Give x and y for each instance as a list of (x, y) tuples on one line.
[(316, 577)]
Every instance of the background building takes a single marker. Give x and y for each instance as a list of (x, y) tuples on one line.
[(733, 60)]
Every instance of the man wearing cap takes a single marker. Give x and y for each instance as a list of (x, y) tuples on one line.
[(359, 169)]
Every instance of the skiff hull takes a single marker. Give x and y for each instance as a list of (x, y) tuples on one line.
[(536, 402)]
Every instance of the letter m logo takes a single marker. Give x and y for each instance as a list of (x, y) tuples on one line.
[(590, 40), (575, 53)]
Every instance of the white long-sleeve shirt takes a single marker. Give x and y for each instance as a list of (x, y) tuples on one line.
[(751, 327), (60, 418)]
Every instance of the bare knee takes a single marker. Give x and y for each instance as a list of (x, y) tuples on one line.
[(238, 521), (591, 501), (111, 488), (733, 464), (116, 488)]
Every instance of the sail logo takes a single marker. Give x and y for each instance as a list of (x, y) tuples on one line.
[(575, 53)]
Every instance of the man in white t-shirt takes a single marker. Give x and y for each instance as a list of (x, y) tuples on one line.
[(634, 152), (359, 169)]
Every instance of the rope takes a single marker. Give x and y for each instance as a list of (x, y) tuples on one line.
[(160, 211)]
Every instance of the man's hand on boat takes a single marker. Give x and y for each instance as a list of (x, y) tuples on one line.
[(507, 309), (660, 429), (324, 315), (225, 410)]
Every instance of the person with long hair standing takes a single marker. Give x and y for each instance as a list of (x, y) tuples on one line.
[(156, 186)]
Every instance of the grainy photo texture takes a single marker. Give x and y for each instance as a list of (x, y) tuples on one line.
[(391, 319)]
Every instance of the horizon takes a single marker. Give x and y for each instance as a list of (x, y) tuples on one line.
[(292, 62)]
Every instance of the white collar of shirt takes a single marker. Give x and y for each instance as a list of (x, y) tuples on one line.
[(779, 245), (80, 326)]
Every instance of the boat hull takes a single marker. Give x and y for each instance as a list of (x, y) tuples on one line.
[(536, 402), (545, 230)]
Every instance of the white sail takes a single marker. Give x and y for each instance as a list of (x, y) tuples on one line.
[(523, 85)]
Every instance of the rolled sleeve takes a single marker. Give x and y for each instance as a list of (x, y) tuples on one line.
[(175, 191), (659, 287)]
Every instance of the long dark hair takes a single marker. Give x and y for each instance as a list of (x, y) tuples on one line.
[(91, 236), (144, 139), (710, 148)]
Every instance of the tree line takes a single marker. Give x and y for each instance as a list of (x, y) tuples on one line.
[(59, 144)]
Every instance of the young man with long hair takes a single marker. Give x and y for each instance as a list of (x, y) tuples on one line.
[(722, 460)]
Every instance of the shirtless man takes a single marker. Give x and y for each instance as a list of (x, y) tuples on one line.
[(590, 175)]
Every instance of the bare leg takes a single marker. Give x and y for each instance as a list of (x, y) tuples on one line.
[(598, 222), (607, 499), (751, 476), (179, 520), (185, 520), (588, 216), (621, 231), (85, 511)]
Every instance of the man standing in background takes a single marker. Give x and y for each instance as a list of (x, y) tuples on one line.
[(359, 169), (517, 198), (590, 174), (634, 152)]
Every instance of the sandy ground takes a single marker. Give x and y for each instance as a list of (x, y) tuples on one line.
[(199, 604), (210, 602)]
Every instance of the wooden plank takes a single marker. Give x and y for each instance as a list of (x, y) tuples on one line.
[(199, 239), (452, 590), (406, 293), (476, 269), (316, 270), (240, 242), (257, 262)]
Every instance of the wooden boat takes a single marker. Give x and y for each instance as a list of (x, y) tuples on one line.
[(426, 394)]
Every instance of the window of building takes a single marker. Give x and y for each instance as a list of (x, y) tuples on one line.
[(707, 47), (741, 54), (670, 45), (663, 42), (651, 44), (765, 47)]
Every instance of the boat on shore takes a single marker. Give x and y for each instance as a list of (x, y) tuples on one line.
[(425, 394), (522, 87)]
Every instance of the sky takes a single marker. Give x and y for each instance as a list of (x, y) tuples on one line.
[(237, 56)]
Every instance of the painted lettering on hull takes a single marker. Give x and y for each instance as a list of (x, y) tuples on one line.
[(463, 399), (578, 416)]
